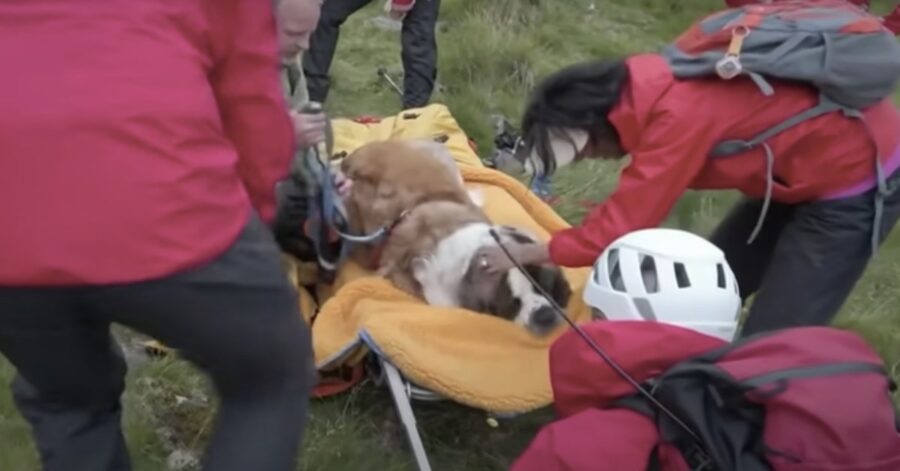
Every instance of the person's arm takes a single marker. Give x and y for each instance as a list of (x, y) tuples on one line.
[(671, 153), (254, 112)]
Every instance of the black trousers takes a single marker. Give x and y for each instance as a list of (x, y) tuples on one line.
[(418, 49), (237, 318), (806, 260)]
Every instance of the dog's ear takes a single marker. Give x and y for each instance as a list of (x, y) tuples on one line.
[(362, 163), (488, 293), (553, 281), (517, 235), (469, 284), (348, 165)]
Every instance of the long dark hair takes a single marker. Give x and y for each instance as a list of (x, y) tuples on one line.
[(579, 96)]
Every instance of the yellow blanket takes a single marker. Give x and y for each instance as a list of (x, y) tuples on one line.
[(472, 358)]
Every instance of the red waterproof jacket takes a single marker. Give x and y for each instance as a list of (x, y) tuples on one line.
[(135, 137), (669, 127)]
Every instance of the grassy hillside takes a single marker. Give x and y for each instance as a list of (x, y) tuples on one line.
[(491, 52)]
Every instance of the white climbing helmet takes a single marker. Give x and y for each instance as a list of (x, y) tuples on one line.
[(666, 275)]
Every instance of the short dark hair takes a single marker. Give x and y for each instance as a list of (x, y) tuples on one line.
[(579, 96)]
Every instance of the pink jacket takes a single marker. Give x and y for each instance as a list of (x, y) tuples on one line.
[(135, 141)]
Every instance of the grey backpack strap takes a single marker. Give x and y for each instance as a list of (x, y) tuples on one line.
[(770, 185), (881, 189), (736, 146), (761, 83)]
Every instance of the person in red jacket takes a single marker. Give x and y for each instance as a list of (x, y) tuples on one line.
[(815, 242), (891, 20), (417, 38), (140, 150)]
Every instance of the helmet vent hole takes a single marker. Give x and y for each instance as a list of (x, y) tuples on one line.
[(681, 276), (648, 274), (720, 272), (645, 309), (615, 271)]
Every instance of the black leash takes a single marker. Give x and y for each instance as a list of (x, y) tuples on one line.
[(624, 374)]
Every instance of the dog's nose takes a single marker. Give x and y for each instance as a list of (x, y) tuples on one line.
[(544, 317)]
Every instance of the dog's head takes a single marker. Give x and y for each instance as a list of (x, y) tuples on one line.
[(511, 295)]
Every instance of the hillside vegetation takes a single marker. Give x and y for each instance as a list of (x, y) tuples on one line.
[(491, 53)]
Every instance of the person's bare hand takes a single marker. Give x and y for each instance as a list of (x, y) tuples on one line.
[(342, 183), (309, 128)]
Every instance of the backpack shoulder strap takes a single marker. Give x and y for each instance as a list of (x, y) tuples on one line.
[(735, 146), (732, 147), (881, 189)]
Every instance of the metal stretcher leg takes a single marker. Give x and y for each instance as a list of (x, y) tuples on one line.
[(404, 409)]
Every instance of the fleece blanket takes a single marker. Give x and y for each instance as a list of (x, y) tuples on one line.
[(472, 358)]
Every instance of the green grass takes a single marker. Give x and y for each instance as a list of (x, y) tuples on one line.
[(491, 52)]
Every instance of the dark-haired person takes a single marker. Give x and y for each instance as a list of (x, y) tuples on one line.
[(140, 150), (816, 237)]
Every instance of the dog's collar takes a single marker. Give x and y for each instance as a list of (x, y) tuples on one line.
[(378, 249)]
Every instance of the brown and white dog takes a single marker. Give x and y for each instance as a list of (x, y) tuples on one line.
[(435, 228)]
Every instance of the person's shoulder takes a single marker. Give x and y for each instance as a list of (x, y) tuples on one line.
[(652, 78), (652, 89), (649, 68)]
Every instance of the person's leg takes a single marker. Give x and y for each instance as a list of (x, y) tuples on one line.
[(817, 262), (419, 53), (749, 261), (322, 44), (70, 376), (238, 319)]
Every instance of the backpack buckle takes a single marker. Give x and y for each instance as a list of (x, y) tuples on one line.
[(730, 66)]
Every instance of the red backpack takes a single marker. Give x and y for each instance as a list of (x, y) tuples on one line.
[(835, 47), (801, 399)]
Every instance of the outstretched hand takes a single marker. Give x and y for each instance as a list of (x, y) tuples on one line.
[(342, 183)]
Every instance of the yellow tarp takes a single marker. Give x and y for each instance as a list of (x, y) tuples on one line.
[(472, 358)]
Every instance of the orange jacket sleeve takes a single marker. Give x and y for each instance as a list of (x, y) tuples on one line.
[(671, 152), (254, 112)]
